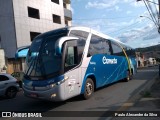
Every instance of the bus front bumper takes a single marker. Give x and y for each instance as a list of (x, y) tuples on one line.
[(52, 94)]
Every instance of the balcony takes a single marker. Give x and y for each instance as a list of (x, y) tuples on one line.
[(67, 1), (68, 14)]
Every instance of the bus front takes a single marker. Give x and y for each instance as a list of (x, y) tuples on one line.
[(43, 77)]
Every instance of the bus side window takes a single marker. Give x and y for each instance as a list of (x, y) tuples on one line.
[(106, 47), (82, 35), (71, 57), (117, 50), (95, 46)]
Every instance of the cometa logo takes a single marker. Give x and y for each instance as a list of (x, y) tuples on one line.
[(109, 61)]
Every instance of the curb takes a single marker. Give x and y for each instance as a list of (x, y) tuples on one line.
[(138, 95)]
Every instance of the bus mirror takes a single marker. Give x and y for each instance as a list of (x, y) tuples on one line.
[(59, 44), (22, 52)]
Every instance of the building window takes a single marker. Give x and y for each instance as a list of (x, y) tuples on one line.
[(55, 1), (66, 22), (33, 13), (33, 35), (56, 19), (64, 5)]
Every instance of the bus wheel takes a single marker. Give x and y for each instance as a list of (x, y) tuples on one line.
[(89, 88), (129, 76)]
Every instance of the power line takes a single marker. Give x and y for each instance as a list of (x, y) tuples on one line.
[(156, 8), (150, 13), (124, 28), (128, 27), (103, 18), (152, 2), (151, 10)]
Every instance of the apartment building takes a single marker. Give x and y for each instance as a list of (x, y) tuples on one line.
[(22, 20)]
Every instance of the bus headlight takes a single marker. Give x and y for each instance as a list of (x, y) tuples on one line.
[(53, 85), (58, 83)]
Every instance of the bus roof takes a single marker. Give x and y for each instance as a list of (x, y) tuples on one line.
[(87, 29)]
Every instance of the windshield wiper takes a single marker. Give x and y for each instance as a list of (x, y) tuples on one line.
[(30, 67)]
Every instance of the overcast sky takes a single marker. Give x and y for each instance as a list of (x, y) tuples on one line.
[(117, 18)]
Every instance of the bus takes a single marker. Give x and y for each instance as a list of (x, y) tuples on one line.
[(71, 61)]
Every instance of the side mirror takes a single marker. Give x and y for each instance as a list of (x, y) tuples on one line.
[(22, 52), (59, 44)]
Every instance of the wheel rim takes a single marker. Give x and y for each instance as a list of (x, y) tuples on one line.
[(89, 88), (11, 92)]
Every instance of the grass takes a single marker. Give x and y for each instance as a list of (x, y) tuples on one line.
[(147, 94)]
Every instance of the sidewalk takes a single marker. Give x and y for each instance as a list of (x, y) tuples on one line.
[(149, 100)]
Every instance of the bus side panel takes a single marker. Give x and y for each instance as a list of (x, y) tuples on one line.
[(72, 83), (133, 63), (106, 69)]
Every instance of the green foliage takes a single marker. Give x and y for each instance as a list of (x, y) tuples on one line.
[(147, 94), (151, 48)]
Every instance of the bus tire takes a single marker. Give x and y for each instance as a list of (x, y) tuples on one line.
[(89, 89), (129, 76)]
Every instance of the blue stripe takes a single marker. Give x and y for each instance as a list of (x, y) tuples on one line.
[(43, 83), (105, 73)]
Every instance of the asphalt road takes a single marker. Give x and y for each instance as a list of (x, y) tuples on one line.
[(108, 98)]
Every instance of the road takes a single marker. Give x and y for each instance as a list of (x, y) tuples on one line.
[(108, 98)]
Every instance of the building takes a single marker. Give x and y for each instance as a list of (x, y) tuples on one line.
[(2, 61), (22, 20)]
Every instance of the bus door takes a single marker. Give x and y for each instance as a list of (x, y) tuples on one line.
[(71, 69)]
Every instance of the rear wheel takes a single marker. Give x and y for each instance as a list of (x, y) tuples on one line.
[(11, 92), (89, 88)]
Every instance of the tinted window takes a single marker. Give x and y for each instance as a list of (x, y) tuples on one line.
[(117, 50), (79, 34), (51, 63), (41, 60), (130, 51), (106, 46), (80, 42), (71, 57), (95, 46), (3, 78)]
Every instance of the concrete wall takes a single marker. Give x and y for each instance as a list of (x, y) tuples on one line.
[(7, 28), (15, 25), (25, 24)]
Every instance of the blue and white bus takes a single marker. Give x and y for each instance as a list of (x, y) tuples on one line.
[(72, 61)]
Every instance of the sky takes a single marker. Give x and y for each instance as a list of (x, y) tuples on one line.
[(119, 19)]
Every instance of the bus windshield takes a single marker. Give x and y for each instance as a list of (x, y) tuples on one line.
[(41, 60)]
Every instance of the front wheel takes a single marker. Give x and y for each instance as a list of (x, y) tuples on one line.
[(89, 88)]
